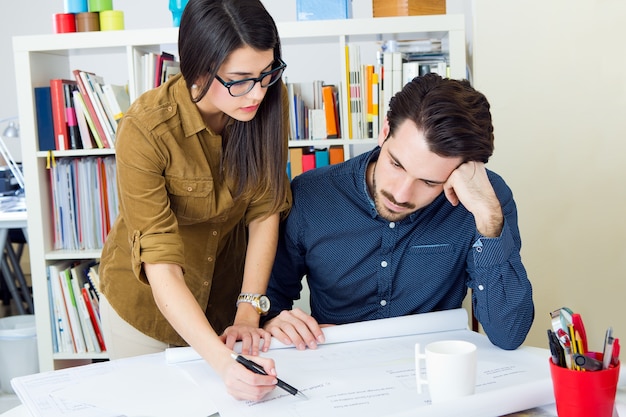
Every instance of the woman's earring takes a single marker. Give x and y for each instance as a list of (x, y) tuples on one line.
[(194, 86)]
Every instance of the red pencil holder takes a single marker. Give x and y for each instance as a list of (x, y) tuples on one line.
[(584, 393)]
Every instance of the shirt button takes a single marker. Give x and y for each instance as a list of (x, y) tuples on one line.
[(479, 249), (383, 303), (214, 233), (210, 259), (170, 108), (392, 225), (189, 188), (481, 287), (205, 283), (383, 264)]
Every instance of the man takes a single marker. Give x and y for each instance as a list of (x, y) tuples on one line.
[(407, 227)]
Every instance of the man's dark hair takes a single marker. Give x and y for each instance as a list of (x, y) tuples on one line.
[(453, 116)]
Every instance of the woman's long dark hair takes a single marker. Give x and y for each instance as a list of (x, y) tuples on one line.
[(255, 152)]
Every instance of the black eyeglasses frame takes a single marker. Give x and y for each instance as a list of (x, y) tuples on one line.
[(228, 84)]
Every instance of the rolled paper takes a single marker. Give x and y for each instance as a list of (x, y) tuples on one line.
[(64, 23), (100, 5), (88, 22), (112, 20), (75, 6)]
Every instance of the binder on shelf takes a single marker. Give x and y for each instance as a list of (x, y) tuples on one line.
[(45, 124)]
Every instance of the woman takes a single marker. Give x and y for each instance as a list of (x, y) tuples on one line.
[(202, 183)]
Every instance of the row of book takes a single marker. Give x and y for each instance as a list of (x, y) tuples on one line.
[(85, 201), (369, 87), (302, 159), (313, 111), (79, 113), (74, 307), (152, 69), (83, 112)]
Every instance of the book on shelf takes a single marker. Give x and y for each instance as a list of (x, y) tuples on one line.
[(336, 154), (73, 328), (118, 99), (170, 68), (76, 273), (84, 199), (62, 330), (355, 93), (307, 113), (94, 82), (45, 124), (308, 160), (83, 120), (88, 96), (321, 157), (61, 114), (158, 72), (78, 336), (295, 161), (331, 110)]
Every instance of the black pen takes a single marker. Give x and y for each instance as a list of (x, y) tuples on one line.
[(256, 368)]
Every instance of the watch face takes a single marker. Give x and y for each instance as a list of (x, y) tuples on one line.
[(264, 303)]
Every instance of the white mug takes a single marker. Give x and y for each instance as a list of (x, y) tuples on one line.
[(450, 369)]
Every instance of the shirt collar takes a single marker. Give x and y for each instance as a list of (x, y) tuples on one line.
[(190, 116), (371, 157)]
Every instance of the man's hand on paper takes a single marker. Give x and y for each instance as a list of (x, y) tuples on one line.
[(297, 328)]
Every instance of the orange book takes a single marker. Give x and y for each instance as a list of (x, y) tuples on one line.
[(331, 111), (336, 154)]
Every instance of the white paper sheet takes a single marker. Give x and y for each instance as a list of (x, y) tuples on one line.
[(373, 376)]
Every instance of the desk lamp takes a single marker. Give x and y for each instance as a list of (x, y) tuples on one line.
[(12, 131)]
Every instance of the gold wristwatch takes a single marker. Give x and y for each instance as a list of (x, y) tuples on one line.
[(260, 302)]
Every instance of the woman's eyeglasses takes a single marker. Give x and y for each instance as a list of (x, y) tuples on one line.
[(242, 87)]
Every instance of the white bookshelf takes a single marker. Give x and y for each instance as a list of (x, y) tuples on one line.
[(312, 50)]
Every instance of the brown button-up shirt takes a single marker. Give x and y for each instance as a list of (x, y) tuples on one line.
[(175, 207)]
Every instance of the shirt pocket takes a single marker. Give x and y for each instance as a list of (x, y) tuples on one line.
[(190, 199), (439, 248)]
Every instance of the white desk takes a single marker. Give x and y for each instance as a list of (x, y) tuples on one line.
[(363, 368)]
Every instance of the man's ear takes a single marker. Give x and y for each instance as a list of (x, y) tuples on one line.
[(384, 131)]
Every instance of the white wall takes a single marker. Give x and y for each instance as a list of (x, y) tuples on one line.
[(555, 74)]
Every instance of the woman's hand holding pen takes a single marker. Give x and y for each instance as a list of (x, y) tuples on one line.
[(244, 384)]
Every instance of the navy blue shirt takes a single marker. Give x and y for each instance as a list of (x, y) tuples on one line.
[(360, 266)]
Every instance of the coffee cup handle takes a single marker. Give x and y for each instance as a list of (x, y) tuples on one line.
[(419, 356)]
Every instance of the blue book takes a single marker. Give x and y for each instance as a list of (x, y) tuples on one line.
[(323, 9), (321, 158), (45, 125)]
